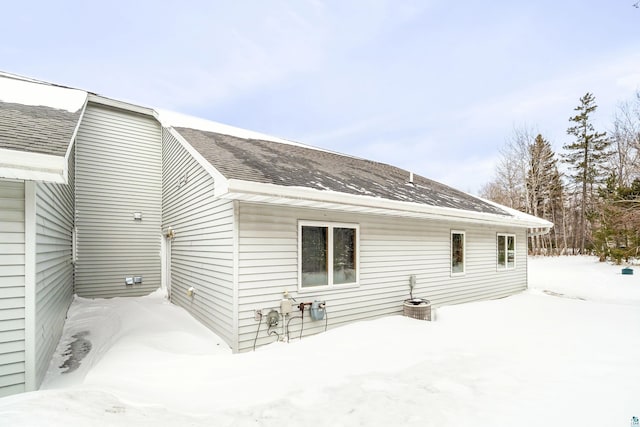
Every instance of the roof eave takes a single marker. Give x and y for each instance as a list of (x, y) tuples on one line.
[(121, 105), (255, 192), (32, 166)]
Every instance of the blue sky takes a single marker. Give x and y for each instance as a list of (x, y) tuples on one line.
[(435, 87)]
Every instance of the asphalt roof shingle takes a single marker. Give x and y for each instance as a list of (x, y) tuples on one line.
[(36, 129), (294, 165)]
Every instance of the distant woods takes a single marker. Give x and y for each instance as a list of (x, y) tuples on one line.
[(590, 191)]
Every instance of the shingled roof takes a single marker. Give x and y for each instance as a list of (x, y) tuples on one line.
[(38, 122), (271, 162), (36, 129)]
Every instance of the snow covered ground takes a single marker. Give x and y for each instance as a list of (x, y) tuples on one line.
[(566, 352)]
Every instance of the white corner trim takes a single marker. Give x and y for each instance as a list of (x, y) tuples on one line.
[(32, 166), (221, 184), (30, 285), (235, 341)]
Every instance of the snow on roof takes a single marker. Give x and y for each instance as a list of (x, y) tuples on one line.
[(268, 161), (19, 90), (521, 215), (178, 120), (173, 119)]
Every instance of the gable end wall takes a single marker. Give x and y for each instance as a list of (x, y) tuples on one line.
[(203, 247), (118, 173)]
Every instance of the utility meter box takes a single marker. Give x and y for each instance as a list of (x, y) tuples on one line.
[(317, 310), (285, 306)]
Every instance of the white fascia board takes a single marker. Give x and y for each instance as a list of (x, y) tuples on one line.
[(32, 166), (542, 223), (307, 197), (221, 184), (120, 105), (73, 141)]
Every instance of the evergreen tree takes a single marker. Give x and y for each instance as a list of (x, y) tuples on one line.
[(544, 188), (618, 233), (587, 157)]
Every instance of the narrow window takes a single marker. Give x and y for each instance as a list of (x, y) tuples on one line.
[(328, 254), (506, 251), (314, 256), (344, 255), (511, 251), (457, 252), (502, 254)]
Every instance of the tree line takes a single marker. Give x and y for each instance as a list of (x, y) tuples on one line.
[(590, 190)]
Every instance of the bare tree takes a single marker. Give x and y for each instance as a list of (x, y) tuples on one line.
[(509, 187), (626, 142)]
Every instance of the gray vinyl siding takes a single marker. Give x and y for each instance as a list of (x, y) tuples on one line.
[(54, 267), (118, 172), (391, 249), (12, 288), (202, 250)]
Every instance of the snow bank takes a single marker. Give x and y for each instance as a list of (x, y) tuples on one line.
[(18, 90), (567, 356), (586, 278)]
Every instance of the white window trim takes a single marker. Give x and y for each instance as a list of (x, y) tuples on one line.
[(506, 253), (330, 226), (464, 253)]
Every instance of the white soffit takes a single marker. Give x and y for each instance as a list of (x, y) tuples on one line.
[(311, 198), (32, 166), (122, 105)]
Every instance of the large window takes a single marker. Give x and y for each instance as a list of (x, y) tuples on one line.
[(457, 252), (328, 254), (506, 251)]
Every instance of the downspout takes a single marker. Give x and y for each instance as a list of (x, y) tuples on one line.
[(235, 341)]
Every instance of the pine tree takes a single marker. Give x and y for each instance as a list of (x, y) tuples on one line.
[(587, 156), (618, 233), (543, 187), (557, 211)]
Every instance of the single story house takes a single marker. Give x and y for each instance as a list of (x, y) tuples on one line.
[(103, 198)]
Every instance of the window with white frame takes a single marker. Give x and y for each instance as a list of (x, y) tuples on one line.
[(506, 251), (328, 254), (457, 252)]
